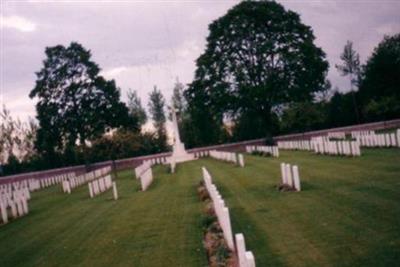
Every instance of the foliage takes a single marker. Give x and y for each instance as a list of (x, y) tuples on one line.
[(204, 125), (156, 107), (135, 108), (177, 99), (258, 56), (74, 103), (351, 68), (16, 138), (122, 144), (351, 64), (387, 107), (302, 117), (381, 82)]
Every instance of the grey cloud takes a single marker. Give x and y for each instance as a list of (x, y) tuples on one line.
[(153, 42)]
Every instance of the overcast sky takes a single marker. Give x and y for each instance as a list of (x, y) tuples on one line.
[(145, 43)]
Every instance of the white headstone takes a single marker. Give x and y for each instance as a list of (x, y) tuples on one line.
[(296, 178), (115, 191), (3, 210), (289, 175)]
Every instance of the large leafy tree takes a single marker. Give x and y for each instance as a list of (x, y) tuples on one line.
[(380, 87), (74, 103), (258, 56)]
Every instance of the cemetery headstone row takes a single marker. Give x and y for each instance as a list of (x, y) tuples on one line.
[(201, 154), (290, 176), (14, 203), (228, 156), (35, 183), (246, 258), (355, 134), (73, 182), (49, 181), (346, 148), (158, 160), (271, 150), (337, 135), (295, 145), (379, 140), (98, 186)]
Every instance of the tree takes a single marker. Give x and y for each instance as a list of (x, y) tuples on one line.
[(381, 81), (351, 68), (156, 108), (74, 103), (303, 117), (205, 126), (258, 56), (16, 138), (135, 108), (340, 110), (177, 98)]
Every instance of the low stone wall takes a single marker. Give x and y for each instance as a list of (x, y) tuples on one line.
[(237, 147)]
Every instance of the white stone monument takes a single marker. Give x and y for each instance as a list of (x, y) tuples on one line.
[(179, 153)]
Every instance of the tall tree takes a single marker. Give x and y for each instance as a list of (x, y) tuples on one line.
[(177, 98), (156, 108), (380, 87), (135, 108), (74, 103), (258, 56), (351, 67)]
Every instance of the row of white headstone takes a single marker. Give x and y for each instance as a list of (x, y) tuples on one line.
[(49, 181), (337, 135), (201, 154), (380, 140), (98, 186), (15, 204), (158, 160), (346, 148), (355, 134), (295, 145), (237, 159), (35, 183), (246, 258), (73, 182), (290, 176), (271, 150), (31, 184)]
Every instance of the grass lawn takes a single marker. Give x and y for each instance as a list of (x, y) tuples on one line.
[(348, 214), (160, 227)]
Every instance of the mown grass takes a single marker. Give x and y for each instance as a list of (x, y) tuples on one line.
[(160, 227), (348, 214)]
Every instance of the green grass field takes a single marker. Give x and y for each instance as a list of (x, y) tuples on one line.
[(348, 214)]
